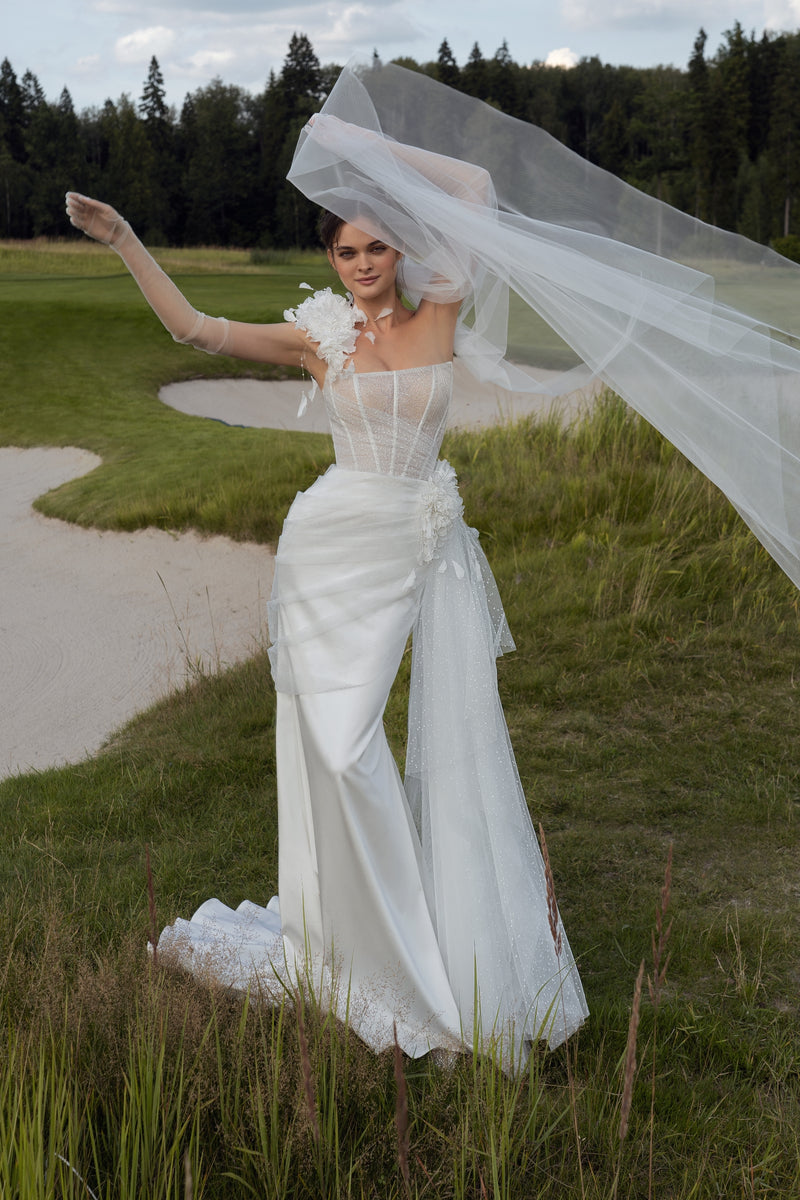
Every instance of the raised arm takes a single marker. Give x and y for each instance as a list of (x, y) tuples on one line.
[(281, 343)]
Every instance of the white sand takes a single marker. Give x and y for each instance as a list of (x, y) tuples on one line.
[(89, 633)]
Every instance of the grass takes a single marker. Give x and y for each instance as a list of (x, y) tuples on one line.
[(652, 703)]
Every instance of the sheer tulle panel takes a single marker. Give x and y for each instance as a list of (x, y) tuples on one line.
[(478, 842)]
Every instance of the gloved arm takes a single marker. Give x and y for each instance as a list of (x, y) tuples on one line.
[(187, 325)]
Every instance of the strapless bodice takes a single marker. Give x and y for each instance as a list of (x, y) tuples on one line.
[(390, 422)]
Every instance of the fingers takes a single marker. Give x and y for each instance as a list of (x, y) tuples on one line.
[(74, 201), (79, 208)]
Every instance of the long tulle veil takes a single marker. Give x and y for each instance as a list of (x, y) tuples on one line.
[(695, 327)]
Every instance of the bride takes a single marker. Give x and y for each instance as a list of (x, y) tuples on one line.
[(426, 903), (427, 899)]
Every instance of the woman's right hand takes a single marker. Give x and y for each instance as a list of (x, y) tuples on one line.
[(97, 220)]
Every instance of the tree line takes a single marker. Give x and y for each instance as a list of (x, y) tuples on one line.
[(719, 140)]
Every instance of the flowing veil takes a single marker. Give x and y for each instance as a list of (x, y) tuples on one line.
[(696, 328)]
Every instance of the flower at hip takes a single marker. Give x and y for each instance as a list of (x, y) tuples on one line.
[(441, 508)]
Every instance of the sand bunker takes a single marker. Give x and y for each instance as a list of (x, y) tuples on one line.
[(95, 626)]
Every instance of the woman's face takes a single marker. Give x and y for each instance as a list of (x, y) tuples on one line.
[(366, 265)]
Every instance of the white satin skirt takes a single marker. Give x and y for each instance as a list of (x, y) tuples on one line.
[(420, 905)]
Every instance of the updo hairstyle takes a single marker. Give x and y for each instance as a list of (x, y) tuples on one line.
[(328, 227)]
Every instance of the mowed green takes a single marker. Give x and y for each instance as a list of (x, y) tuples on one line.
[(651, 702)]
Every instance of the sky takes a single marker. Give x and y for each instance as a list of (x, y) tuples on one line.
[(101, 48)]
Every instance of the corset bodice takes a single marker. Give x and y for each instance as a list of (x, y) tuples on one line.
[(390, 422)]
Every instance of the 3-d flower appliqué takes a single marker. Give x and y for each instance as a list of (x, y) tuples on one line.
[(329, 319), (441, 508)]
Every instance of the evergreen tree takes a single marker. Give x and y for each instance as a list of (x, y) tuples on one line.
[(12, 111), (541, 92), (128, 174), (701, 132), (733, 62), (55, 160), (65, 105), (764, 57), (14, 176), (784, 134), (301, 75), (299, 90), (446, 66), (158, 128), (410, 64), (31, 95), (475, 75), (502, 88), (220, 167), (656, 131), (272, 123), (153, 104), (720, 139), (587, 96), (613, 141)]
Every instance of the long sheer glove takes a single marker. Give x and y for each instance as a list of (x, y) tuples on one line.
[(187, 325)]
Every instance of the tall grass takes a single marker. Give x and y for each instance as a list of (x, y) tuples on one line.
[(652, 702)]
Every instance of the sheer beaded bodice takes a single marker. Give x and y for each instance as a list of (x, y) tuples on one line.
[(390, 422)]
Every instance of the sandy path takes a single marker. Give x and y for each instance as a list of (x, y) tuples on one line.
[(88, 635)]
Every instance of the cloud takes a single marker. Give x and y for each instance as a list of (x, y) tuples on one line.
[(781, 14), (142, 44), (201, 65), (244, 49), (635, 14), (203, 9), (564, 57), (88, 64), (362, 27)]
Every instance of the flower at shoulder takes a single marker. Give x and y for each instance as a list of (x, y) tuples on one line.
[(329, 319)]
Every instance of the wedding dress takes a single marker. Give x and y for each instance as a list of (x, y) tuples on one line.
[(425, 903), (422, 906)]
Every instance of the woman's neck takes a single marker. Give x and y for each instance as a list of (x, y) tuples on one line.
[(383, 313)]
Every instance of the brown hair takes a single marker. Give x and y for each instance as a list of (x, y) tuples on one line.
[(328, 227)]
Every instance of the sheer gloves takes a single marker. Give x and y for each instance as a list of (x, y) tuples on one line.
[(187, 325)]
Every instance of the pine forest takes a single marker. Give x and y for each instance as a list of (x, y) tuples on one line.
[(719, 139)]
